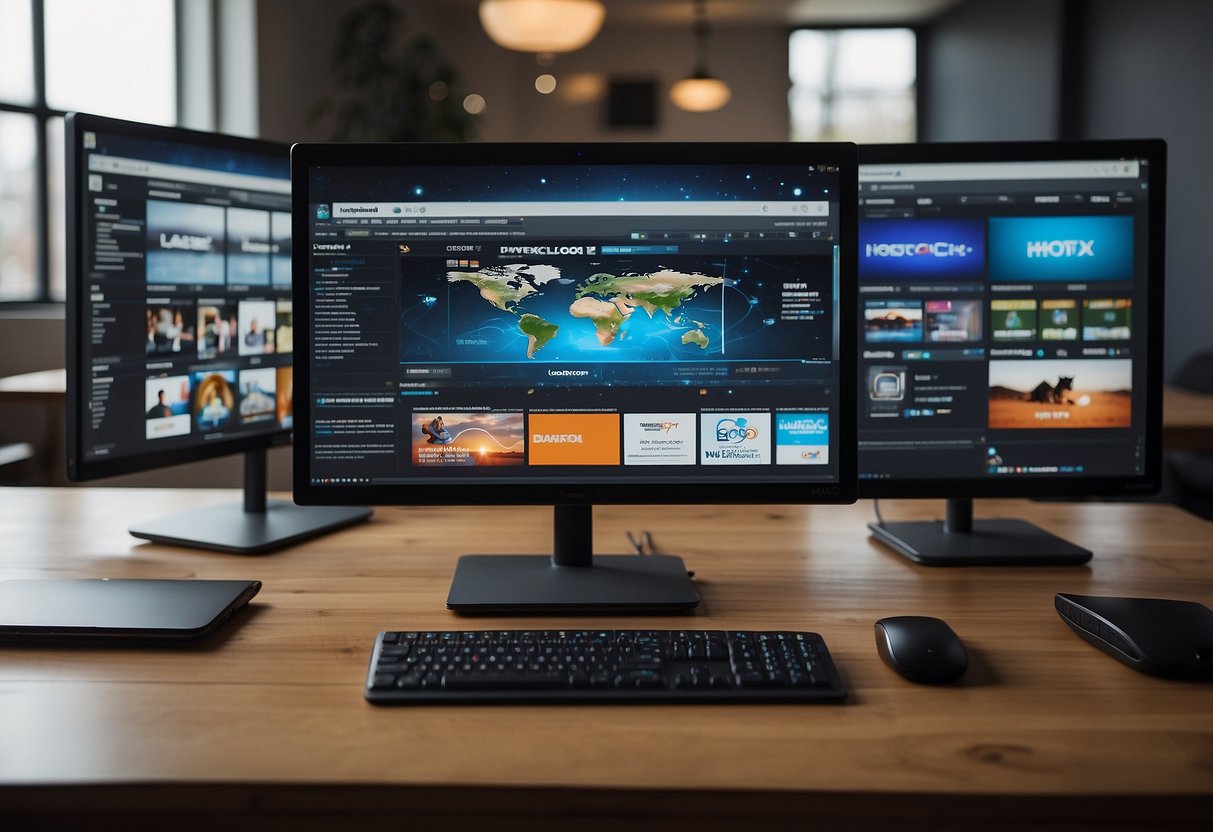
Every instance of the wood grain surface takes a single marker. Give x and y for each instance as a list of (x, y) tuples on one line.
[(269, 713)]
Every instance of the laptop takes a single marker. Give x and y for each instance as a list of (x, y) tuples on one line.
[(112, 610)]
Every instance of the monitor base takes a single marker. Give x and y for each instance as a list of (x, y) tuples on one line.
[(230, 528), (997, 542), (534, 584)]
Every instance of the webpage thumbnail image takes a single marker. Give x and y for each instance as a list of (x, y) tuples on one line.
[(218, 326), (802, 438), (911, 250), (454, 438), (214, 399), (1059, 319), (1061, 393), (1013, 320), (166, 402), (953, 321), (248, 247), (258, 400), (256, 326), (1107, 319), (170, 327), (284, 326), (285, 397), (659, 438), (735, 438), (280, 234), (886, 388), (573, 438), (1061, 249), (892, 321), (185, 243)]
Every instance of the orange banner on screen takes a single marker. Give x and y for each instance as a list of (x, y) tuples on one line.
[(573, 438)]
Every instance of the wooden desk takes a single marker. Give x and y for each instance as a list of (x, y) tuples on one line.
[(266, 726), (1187, 420)]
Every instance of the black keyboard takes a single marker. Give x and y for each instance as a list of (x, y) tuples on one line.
[(601, 666)]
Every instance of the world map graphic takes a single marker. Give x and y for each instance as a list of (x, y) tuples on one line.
[(605, 301)]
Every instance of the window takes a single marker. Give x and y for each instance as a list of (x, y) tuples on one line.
[(853, 85), (101, 56)]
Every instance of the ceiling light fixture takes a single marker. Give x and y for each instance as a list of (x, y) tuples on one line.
[(700, 92), (542, 25)]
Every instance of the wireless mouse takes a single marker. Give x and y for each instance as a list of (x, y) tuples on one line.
[(1152, 635), (921, 649)]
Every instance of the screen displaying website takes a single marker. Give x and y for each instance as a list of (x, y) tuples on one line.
[(1002, 315), (186, 308), (577, 323)]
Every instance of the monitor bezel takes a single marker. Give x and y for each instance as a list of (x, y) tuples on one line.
[(306, 156), (78, 468), (1155, 150)]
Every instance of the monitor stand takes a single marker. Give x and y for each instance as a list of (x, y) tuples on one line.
[(571, 579), (256, 527), (962, 541)]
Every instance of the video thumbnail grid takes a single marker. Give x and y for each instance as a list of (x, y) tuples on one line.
[(454, 438), (999, 323), (210, 400), (216, 381), (1011, 320), (191, 243)]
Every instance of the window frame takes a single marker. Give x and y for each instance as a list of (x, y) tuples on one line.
[(920, 64), (43, 113), (41, 195)]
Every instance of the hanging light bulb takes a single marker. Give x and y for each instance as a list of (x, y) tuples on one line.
[(700, 92), (542, 25)]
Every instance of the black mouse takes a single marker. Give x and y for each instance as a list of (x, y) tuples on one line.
[(921, 649), (1153, 635)]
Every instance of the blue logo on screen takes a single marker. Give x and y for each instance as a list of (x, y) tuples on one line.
[(802, 428), (921, 250), (734, 431), (322, 212), (1056, 249)]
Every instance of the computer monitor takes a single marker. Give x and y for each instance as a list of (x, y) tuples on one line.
[(180, 319), (1011, 303), (570, 324)]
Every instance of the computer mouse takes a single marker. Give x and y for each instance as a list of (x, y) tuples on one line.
[(921, 649), (1153, 635)]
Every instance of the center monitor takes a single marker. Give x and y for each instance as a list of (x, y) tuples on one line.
[(574, 324), (1010, 301)]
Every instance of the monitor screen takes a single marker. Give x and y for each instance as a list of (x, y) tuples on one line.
[(550, 323), (1009, 307), (179, 296)]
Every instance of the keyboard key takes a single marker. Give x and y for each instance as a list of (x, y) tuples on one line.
[(503, 681)]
